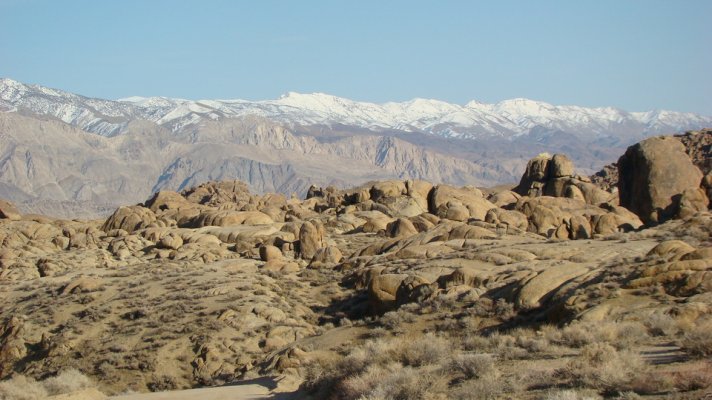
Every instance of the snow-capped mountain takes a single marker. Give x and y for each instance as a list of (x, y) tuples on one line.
[(506, 119), (66, 154)]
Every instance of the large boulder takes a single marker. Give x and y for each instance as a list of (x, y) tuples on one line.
[(270, 253), (554, 176), (560, 166), (402, 227), (165, 200), (311, 239), (510, 218), (382, 291), (326, 256), (443, 197), (228, 218), (130, 219), (217, 193), (384, 189), (653, 175)]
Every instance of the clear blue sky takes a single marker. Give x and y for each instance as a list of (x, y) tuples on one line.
[(633, 54)]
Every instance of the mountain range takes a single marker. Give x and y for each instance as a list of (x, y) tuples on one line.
[(67, 155)]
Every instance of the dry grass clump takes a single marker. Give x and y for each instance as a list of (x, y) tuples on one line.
[(698, 340), (393, 320), (520, 343), (474, 366), (622, 335), (21, 387), (67, 381), (384, 368), (484, 388), (575, 335), (430, 367), (393, 381), (570, 394), (661, 325), (693, 376), (601, 366)]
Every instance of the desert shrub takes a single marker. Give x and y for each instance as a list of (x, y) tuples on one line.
[(427, 350), (473, 342), (531, 341), (22, 388), (698, 340), (66, 382), (693, 377), (393, 382), (551, 333), (474, 366), (626, 334), (651, 382), (504, 309), (601, 366), (572, 395), (377, 332), (661, 325), (628, 396), (622, 335), (395, 368), (576, 336), (394, 319), (487, 387)]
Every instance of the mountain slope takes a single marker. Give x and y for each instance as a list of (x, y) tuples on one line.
[(51, 167), (474, 120), (68, 155)]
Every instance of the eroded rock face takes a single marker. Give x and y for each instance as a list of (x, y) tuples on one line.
[(653, 176)]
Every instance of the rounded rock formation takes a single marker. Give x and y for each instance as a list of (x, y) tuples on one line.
[(653, 175)]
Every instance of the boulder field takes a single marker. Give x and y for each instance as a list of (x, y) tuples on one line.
[(215, 284)]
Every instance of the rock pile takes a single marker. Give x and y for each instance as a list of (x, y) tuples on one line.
[(219, 281)]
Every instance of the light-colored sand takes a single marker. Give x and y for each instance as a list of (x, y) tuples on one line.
[(241, 392)]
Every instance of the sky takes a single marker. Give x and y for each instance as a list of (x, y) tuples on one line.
[(636, 55)]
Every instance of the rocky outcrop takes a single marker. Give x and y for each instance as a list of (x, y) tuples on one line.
[(458, 204), (129, 219), (654, 174), (698, 146), (12, 344), (606, 178), (554, 176), (220, 281)]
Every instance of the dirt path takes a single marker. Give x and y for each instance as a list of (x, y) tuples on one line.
[(249, 390)]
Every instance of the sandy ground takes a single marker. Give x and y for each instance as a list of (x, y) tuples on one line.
[(262, 388)]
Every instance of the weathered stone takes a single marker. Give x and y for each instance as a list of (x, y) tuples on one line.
[(402, 227), (329, 255), (269, 253), (560, 166), (130, 219), (311, 238), (171, 241), (653, 175)]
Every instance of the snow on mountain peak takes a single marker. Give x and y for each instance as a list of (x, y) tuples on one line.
[(507, 118)]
